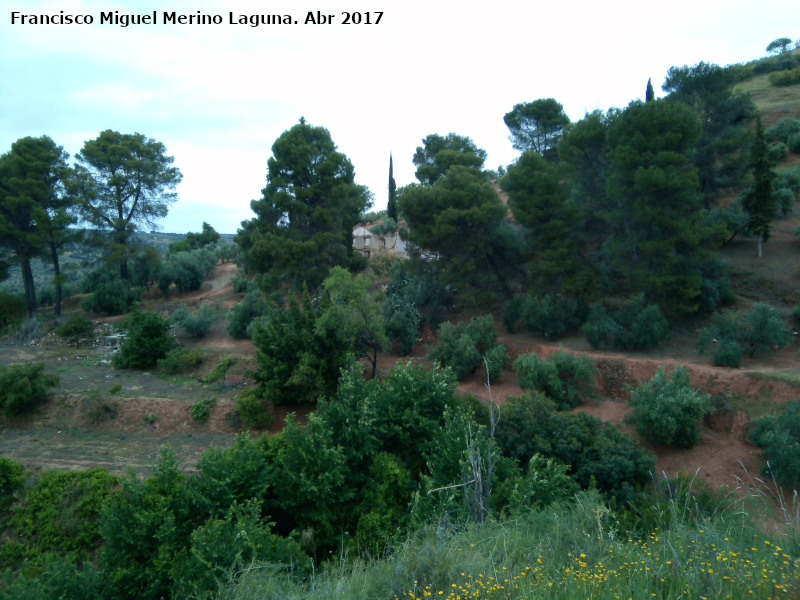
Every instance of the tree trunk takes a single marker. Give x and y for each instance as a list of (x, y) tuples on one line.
[(56, 278), (27, 279), (760, 246)]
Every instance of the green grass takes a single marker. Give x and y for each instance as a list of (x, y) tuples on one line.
[(575, 551), (790, 377)]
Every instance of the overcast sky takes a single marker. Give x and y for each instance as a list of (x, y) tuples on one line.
[(217, 96)]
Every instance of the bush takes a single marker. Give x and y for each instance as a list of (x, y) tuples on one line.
[(146, 342), (180, 360), (252, 409), (219, 371), (186, 269), (636, 325), (782, 130), (76, 329), (785, 78), (12, 310), (402, 320), (668, 411), (794, 143), (12, 477), (110, 295), (241, 316), (779, 437), (598, 454), (462, 347), (551, 316), (729, 354), (201, 411), (24, 386), (777, 152), (567, 379), (196, 324)]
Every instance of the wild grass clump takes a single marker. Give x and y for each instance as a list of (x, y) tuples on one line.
[(566, 551)]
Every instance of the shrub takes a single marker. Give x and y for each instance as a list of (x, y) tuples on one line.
[(782, 130), (552, 315), (668, 411), (186, 269), (567, 379), (784, 198), (12, 309), (729, 354), (113, 296), (180, 360), (760, 330), (147, 341), (598, 454), (779, 437), (76, 329), (241, 284), (252, 409), (241, 316), (462, 347), (636, 325), (201, 411), (402, 320), (794, 143), (24, 386), (196, 324), (785, 78), (777, 151), (12, 477), (219, 371)]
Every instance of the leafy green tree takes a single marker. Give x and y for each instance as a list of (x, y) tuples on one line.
[(125, 180), (352, 316), (759, 201), (657, 229), (33, 205), (667, 410), (305, 218), (187, 270), (463, 220), (537, 126), (147, 340), (194, 241), (242, 315), (758, 331), (466, 347), (24, 386), (636, 325), (297, 361), (539, 200), (439, 153), (196, 324), (779, 46), (724, 118)]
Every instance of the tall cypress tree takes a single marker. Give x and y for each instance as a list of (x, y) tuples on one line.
[(759, 202), (391, 207), (649, 94)]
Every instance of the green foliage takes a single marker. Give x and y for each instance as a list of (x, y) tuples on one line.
[(53, 577), (794, 143), (402, 320), (187, 270), (415, 287), (777, 152), (439, 153), (180, 360), (201, 411), (462, 347), (219, 371), (668, 411), (297, 362), (785, 78), (242, 315), (635, 325), (194, 241), (779, 45), (567, 379), (147, 340), (124, 180), (145, 266), (545, 482), (657, 229), (783, 130), (537, 126), (304, 221), (76, 328), (24, 386), (779, 437), (241, 284), (12, 310), (112, 295), (462, 219), (61, 513), (759, 200), (758, 331), (352, 317), (598, 454), (252, 409), (196, 324), (12, 477), (549, 315)]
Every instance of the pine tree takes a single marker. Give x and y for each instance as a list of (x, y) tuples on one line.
[(759, 202), (391, 207)]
